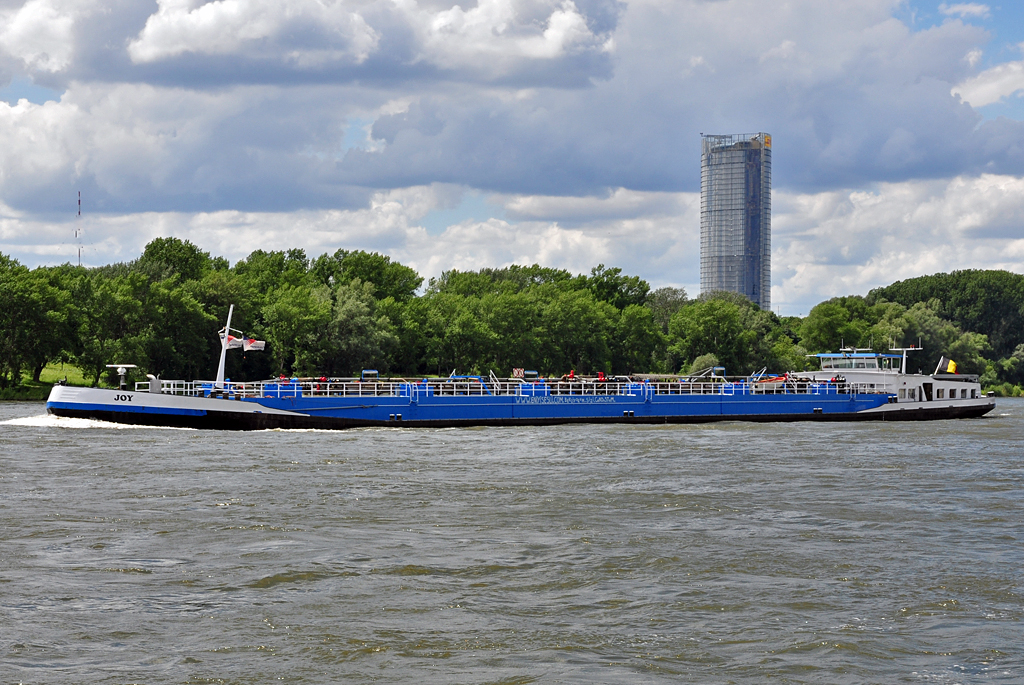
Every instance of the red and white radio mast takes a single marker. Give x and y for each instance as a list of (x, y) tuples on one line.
[(78, 228)]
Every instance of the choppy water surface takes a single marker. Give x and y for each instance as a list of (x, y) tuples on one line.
[(801, 553)]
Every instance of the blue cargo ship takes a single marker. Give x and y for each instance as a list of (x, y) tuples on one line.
[(339, 403)]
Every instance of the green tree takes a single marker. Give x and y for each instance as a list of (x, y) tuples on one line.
[(638, 343), (406, 350), (465, 284), (22, 316), (577, 329), (390, 279), (836, 323), (939, 337), (168, 256), (786, 355), (702, 363), (713, 326), (664, 303), (609, 285), (888, 325), (55, 331), (295, 320), (216, 292), (263, 272), (180, 331), (514, 320), (112, 326), (1011, 369), (354, 338), (514, 278), (457, 338), (986, 302)]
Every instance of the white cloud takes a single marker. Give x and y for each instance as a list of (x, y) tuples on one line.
[(471, 245), (992, 85), (620, 203), (382, 226), (35, 140), (136, 146), (784, 50), (834, 82), (659, 245), (592, 152), (824, 244), (497, 29), (492, 38), (39, 33), (843, 243), (965, 9), (305, 32), (850, 94)]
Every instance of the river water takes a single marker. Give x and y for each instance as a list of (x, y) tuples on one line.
[(741, 553)]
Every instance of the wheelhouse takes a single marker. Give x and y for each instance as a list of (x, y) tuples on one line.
[(859, 361)]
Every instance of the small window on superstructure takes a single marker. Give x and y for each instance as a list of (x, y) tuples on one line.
[(940, 393), (952, 393), (903, 393)]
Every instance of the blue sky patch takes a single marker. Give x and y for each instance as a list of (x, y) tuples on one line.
[(22, 87), (473, 207)]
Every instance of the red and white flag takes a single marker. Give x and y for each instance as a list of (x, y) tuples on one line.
[(253, 344), (234, 343)]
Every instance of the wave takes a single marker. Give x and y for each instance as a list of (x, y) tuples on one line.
[(50, 421)]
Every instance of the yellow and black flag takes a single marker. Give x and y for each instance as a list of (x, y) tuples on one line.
[(946, 366)]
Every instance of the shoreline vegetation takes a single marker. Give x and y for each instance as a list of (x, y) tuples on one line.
[(37, 391), (339, 313)]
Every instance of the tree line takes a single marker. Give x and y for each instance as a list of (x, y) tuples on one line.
[(339, 313)]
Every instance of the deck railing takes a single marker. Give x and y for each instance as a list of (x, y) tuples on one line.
[(442, 387)]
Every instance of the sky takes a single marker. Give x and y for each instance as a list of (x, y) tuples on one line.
[(493, 132)]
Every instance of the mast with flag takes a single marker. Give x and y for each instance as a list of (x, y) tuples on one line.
[(231, 342)]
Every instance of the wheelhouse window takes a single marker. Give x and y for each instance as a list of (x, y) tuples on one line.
[(849, 363)]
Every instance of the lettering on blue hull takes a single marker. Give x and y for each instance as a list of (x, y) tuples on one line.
[(565, 400)]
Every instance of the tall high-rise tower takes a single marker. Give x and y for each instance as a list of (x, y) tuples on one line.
[(736, 215)]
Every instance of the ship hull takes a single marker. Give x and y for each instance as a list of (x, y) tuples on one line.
[(335, 413)]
